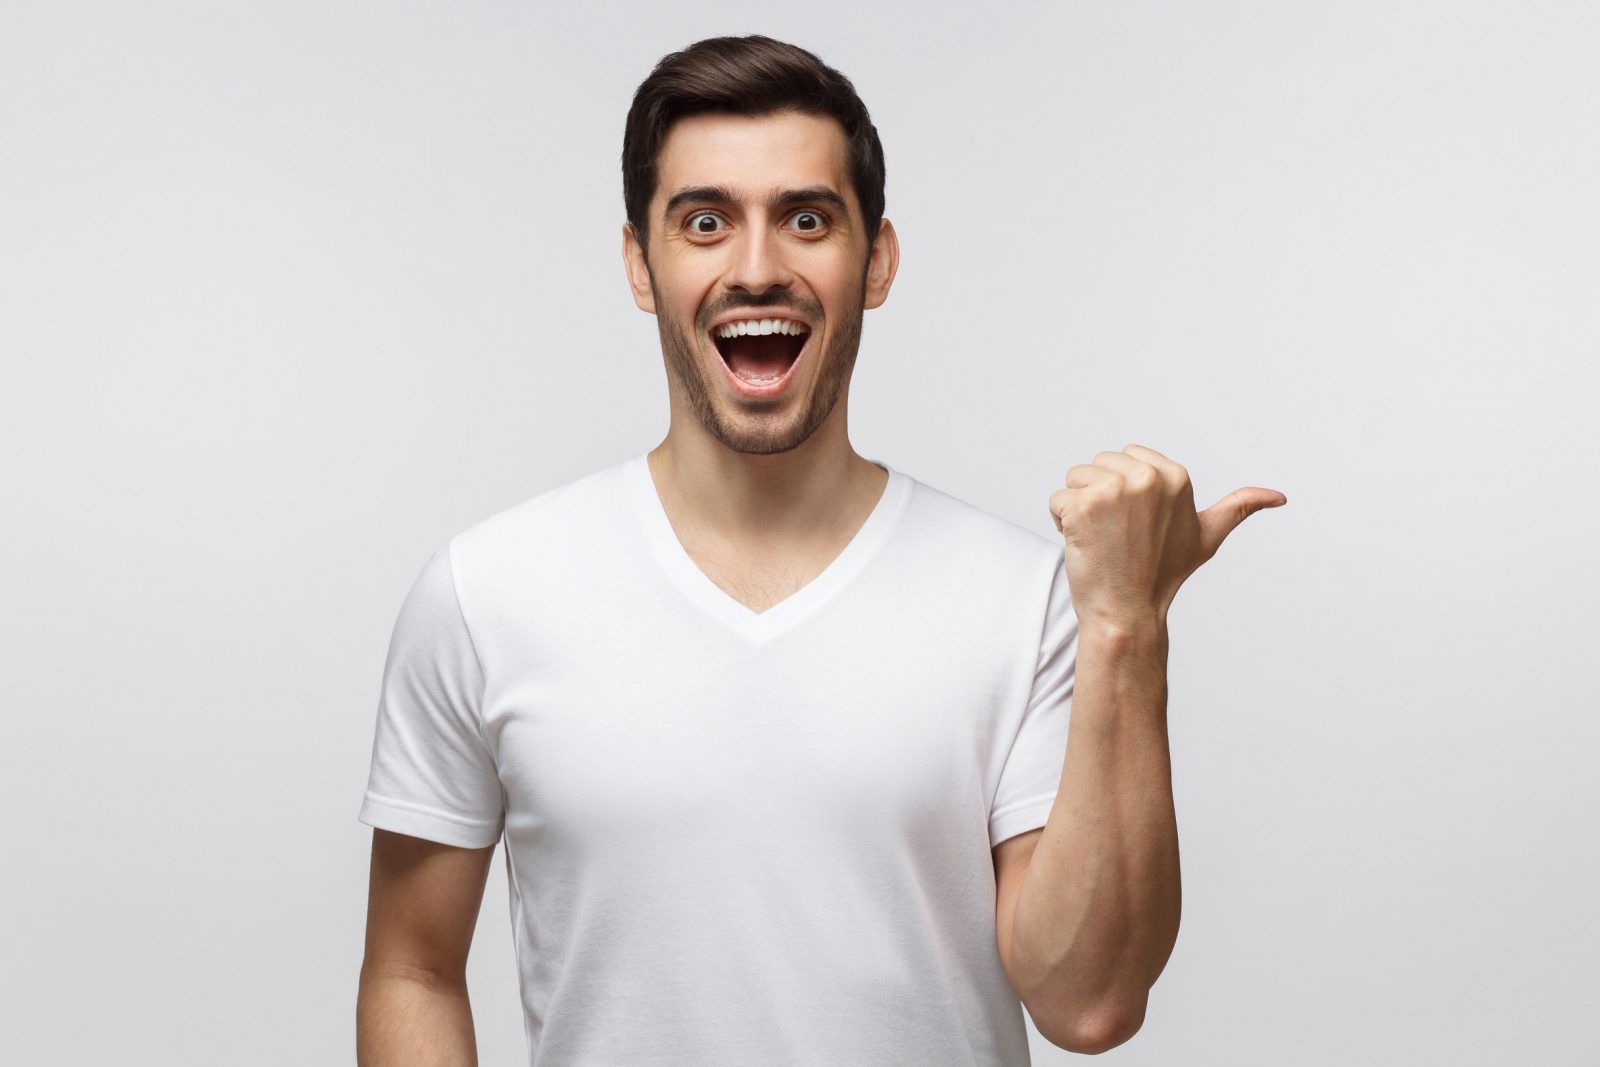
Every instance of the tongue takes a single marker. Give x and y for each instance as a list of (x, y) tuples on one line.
[(764, 356)]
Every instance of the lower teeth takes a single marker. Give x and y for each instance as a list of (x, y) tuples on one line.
[(758, 381)]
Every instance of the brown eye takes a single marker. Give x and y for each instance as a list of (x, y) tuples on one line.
[(809, 221), (705, 222)]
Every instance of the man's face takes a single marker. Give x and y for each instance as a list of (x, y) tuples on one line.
[(755, 218)]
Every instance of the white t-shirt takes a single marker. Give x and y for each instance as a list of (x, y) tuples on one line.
[(737, 838)]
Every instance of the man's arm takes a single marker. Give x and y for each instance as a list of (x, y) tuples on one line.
[(1090, 905), (422, 909), (1096, 911)]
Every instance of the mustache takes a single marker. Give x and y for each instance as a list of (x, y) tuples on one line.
[(781, 299)]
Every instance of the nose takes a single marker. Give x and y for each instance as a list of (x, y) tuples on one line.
[(758, 263)]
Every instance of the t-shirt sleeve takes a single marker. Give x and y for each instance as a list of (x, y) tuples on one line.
[(433, 774), (1032, 770)]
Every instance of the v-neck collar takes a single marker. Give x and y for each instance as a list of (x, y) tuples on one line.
[(759, 627)]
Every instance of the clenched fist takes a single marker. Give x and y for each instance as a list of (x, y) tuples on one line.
[(1133, 536)]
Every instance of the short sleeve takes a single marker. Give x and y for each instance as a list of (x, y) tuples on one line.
[(1031, 774), (432, 773)]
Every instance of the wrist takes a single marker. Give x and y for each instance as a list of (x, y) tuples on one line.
[(1124, 632)]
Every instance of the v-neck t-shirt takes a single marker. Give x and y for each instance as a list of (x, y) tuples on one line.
[(737, 837)]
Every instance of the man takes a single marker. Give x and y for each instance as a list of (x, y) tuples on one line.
[(777, 735)]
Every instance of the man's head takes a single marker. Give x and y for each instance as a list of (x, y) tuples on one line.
[(753, 183), (752, 75)]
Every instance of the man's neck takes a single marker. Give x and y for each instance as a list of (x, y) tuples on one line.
[(765, 502)]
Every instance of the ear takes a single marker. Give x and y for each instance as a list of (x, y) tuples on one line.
[(638, 273), (882, 263)]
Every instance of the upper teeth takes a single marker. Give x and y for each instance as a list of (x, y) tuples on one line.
[(759, 326)]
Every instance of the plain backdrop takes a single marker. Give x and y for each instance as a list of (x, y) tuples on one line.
[(292, 292)]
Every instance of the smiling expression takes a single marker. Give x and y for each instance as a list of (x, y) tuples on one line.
[(758, 261)]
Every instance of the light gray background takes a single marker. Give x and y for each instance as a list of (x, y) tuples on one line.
[(293, 292)]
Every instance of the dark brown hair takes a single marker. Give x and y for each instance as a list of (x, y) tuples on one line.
[(752, 75)]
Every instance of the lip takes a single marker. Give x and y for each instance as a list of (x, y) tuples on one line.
[(772, 389)]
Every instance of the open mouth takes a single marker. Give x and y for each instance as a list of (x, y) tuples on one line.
[(764, 355)]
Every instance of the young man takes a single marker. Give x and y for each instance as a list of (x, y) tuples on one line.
[(774, 732)]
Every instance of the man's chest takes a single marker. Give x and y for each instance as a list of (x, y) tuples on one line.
[(694, 732), (761, 583)]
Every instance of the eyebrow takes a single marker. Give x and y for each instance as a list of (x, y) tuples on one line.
[(721, 194)]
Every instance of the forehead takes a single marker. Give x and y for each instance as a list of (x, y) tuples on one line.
[(753, 154)]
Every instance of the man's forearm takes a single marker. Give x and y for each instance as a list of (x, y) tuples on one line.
[(404, 1020), (1097, 913)]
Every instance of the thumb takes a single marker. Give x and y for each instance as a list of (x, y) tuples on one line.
[(1223, 517)]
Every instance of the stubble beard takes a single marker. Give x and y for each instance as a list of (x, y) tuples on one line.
[(760, 432)]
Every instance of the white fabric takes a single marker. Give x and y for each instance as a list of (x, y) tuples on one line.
[(737, 838)]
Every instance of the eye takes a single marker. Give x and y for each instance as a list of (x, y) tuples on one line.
[(696, 223), (809, 221)]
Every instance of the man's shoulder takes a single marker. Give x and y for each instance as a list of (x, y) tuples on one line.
[(993, 571), (953, 524), (577, 510)]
